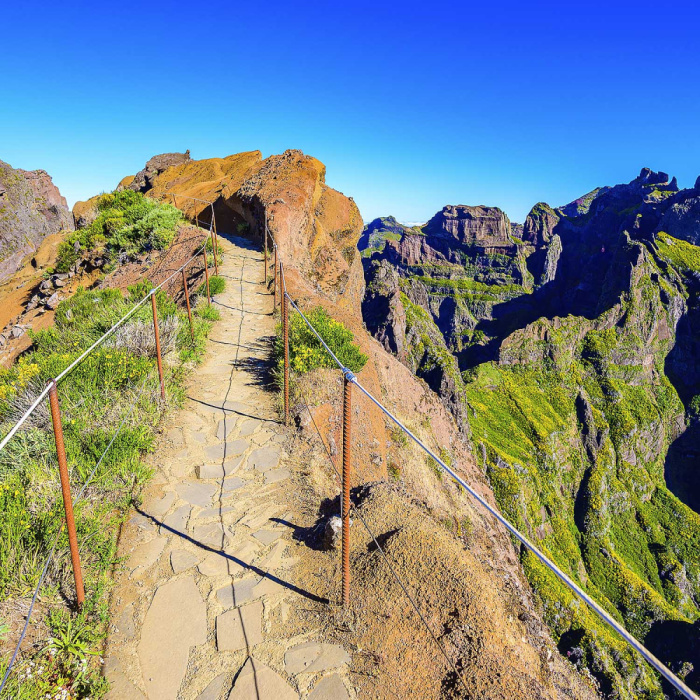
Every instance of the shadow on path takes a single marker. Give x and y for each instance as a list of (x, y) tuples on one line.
[(229, 557)]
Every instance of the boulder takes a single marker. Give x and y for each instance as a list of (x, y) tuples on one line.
[(143, 180), (332, 533)]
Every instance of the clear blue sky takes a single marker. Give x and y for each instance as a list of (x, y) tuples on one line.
[(411, 105)]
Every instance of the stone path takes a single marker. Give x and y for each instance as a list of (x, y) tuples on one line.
[(200, 606)]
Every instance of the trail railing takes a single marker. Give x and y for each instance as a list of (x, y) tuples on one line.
[(51, 391), (350, 380)]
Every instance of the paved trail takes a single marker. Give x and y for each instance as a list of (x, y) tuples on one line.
[(199, 610)]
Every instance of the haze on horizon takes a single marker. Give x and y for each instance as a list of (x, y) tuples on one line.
[(410, 107)]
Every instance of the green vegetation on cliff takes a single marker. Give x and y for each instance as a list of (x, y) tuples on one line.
[(682, 255), (577, 348), (575, 454), (127, 223)]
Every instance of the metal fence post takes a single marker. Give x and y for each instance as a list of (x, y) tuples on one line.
[(157, 334), (187, 299), (345, 512), (215, 244), (206, 272), (65, 488), (274, 288), (265, 235), (285, 330)]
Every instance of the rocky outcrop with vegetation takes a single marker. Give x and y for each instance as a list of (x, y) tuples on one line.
[(577, 363)]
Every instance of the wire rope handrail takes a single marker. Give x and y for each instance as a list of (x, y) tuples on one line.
[(44, 393), (350, 378), (51, 391)]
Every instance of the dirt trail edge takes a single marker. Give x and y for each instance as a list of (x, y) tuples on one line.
[(202, 603)]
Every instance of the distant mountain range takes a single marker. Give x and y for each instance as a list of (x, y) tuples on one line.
[(568, 348)]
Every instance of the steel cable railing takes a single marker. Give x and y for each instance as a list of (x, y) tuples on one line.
[(350, 379), (56, 538), (51, 391)]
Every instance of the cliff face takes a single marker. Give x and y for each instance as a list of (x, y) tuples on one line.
[(31, 208), (582, 395)]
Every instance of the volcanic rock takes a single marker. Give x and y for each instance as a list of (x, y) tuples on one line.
[(143, 180), (31, 208)]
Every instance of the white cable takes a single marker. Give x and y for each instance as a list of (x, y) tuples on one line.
[(632, 641), (607, 618)]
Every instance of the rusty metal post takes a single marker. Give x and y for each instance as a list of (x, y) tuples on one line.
[(158, 356), (215, 246), (196, 215), (265, 235), (345, 513), (206, 273), (65, 489), (172, 194), (187, 299), (274, 288), (215, 242), (285, 330)]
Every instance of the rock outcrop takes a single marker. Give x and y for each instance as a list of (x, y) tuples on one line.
[(377, 232), (143, 180), (31, 208)]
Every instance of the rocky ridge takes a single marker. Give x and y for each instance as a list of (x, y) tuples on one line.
[(31, 208), (317, 229)]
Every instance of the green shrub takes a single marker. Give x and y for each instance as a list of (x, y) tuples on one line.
[(394, 470), (67, 255), (306, 352), (217, 284), (127, 222), (694, 407), (398, 436), (207, 312), (434, 467)]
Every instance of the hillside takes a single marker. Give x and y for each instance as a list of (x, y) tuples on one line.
[(566, 349)]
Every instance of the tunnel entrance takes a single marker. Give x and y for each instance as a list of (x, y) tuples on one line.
[(236, 218)]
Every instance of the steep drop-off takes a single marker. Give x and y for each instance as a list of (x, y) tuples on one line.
[(569, 346)]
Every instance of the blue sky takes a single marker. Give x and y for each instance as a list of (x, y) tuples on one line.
[(411, 106)]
